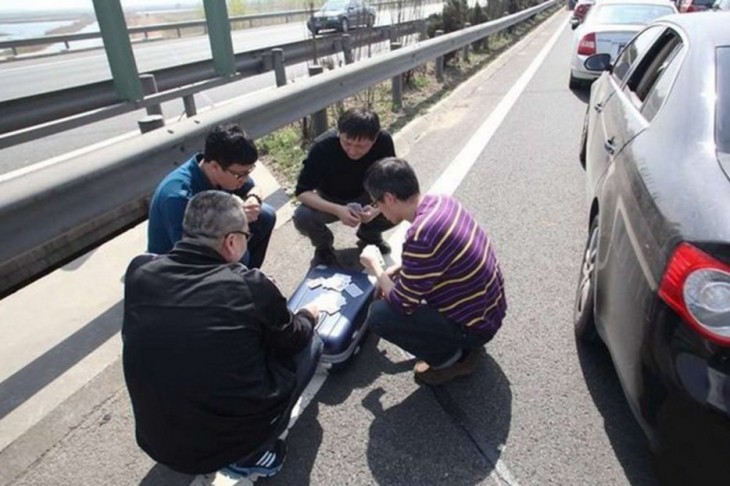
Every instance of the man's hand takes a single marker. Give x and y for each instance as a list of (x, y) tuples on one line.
[(348, 216), (312, 309), (252, 208), (368, 214)]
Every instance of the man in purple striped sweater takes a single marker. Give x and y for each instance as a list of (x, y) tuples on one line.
[(446, 299)]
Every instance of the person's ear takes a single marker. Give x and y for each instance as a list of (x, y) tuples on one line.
[(227, 248), (389, 198)]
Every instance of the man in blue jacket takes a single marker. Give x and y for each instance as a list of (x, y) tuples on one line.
[(228, 159)]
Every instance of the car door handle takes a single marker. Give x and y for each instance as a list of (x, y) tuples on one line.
[(609, 145), (598, 107)]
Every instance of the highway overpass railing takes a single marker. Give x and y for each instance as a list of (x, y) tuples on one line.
[(31, 117), (145, 30), (56, 212)]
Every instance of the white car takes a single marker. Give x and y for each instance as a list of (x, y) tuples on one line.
[(607, 28)]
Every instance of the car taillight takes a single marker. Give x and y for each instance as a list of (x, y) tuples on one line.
[(691, 8), (587, 45), (697, 287)]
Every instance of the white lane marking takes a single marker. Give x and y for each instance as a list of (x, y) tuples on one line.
[(446, 184)]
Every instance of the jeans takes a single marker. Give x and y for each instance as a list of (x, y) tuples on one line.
[(306, 364), (261, 230), (313, 224), (426, 333)]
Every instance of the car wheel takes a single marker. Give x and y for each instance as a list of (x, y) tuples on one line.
[(371, 20), (314, 30), (344, 25), (583, 312), (583, 142), (575, 83)]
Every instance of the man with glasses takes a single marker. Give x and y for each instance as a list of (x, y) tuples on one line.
[(330, 184), (446, 299), (227, 162), (213, 360)]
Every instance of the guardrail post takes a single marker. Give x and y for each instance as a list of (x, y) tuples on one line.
[(149, 86), (347, 48), (118, 48), (397, 83), (440, 62), (189, 103), (219, 33), (465, 51), (277, 57), (151, 122), (319, 118)]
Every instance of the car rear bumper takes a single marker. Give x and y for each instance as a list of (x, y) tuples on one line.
[(687, 402)]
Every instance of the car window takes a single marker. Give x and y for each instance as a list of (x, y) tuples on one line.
[(633, 51), (628, 13), (665, 76), (722, 127), (650, 67)]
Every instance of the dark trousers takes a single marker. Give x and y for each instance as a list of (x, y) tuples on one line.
[(313, 224), (306, 364), (261, 230), (426, 333)]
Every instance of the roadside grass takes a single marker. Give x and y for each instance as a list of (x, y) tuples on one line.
[(284, 150)]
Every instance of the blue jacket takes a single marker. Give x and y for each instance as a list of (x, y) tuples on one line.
[(170, 200)]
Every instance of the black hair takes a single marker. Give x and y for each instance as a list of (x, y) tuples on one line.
[(359, 123), (228, 145), (392, 175)]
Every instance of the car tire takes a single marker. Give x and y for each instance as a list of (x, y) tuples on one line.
[(371, 21), (344, 25), (584, 323), (575, 83), (314, 30)]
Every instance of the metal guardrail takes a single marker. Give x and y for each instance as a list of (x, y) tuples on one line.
[(49, 113), (178, 26), (56, 212)]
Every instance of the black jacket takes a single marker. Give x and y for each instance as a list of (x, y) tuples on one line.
[(207, 356), (329, 170)]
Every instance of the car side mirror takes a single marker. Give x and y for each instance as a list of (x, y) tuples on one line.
[(574, 23), (598, 62)]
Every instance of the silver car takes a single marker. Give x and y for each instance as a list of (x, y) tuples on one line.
[(607, 28)]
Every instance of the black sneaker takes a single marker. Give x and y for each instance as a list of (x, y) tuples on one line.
[(267, 464), (325, 256), (382, 245)]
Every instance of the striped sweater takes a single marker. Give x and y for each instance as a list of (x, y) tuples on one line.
[(449, 264)]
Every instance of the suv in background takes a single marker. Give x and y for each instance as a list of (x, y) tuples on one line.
[(695, 5), (341, 15)]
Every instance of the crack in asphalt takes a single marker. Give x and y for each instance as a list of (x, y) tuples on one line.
[(461, 420)]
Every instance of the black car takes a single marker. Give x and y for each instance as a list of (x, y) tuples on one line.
[(655, 279), (341, 15)]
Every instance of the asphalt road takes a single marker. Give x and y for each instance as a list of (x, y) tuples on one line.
[(541, 410)]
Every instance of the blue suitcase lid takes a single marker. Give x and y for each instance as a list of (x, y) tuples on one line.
[(336, 330)]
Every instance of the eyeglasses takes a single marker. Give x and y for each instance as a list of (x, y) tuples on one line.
[(241, 176), (247, 234)]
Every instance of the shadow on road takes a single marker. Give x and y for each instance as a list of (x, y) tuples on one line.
[(623, 431), (456, 440), (161, 475)]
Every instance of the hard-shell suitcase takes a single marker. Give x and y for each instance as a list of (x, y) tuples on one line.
[(343, 330)]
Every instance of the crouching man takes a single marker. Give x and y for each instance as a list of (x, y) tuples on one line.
[(446, 300), (213, 359)]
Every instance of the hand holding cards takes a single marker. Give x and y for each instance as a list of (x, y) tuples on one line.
[(370, 256)]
